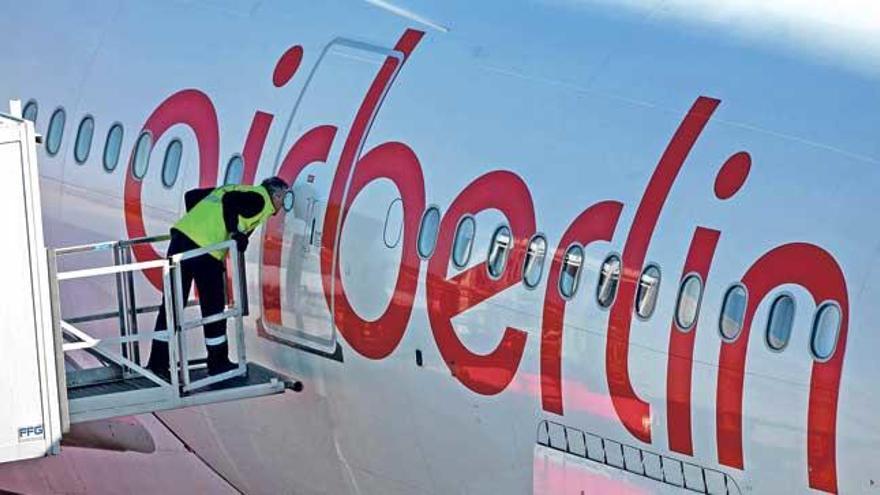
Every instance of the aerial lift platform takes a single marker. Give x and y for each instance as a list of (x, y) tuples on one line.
[(43, 388)]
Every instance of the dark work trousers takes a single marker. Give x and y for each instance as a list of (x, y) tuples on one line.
[(209, 274)]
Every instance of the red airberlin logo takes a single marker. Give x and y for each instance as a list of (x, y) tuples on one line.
[(801, 263)]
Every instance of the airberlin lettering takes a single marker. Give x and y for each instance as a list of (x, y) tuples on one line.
[(800, 263)]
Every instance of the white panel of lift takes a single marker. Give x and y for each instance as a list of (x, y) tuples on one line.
[(30, 416)]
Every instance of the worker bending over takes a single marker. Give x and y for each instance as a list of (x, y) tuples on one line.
[(214, 215)]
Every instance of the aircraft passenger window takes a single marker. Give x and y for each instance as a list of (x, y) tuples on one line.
[(55, 132), (688, 302), (83, 145), (142, 150), (288, 201), (30, 111), (393, 229), (234, 171), (464, 242), (826, 327), (171, 164), (499, 250), (649, 287), (780, 322), (428, 232), (609, 277), (733, 312), (571, 271), (533, 268), (112, 147)]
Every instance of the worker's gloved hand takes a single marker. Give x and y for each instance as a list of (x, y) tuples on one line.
[(241, 240)]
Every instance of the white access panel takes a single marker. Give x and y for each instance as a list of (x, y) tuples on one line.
[(30, 416)]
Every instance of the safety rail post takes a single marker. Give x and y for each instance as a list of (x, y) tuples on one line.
[(242, 271), (239, 300), (130, 350), (171, 326), (179, 307), (131, 303), (120, 298)]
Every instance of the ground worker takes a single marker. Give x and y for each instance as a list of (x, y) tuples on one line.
[(214, 215)]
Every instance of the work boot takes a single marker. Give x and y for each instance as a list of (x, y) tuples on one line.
[(158, 362), (218, 359)]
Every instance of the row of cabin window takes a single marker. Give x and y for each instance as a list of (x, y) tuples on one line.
[(826, 320), (113, 147)]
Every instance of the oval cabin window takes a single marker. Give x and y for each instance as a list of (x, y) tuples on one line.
[(234, 171), (30, 111), (171, 163), (780, 322), (826, 328), (142, 150), (533, 268), (289, 200), (464, 241), (428, 232), (392, 230), (609, 277), (113, 147), (648, 290), (56, 132), (499, 250), (83, 145), (733, 311), (688, 306), (569, 277)]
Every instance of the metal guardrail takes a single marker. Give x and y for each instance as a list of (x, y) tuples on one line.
[(123, 386), (126, 310), (123, 367), (127, 360)]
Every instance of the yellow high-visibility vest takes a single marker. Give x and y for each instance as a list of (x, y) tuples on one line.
[(204, 223)]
